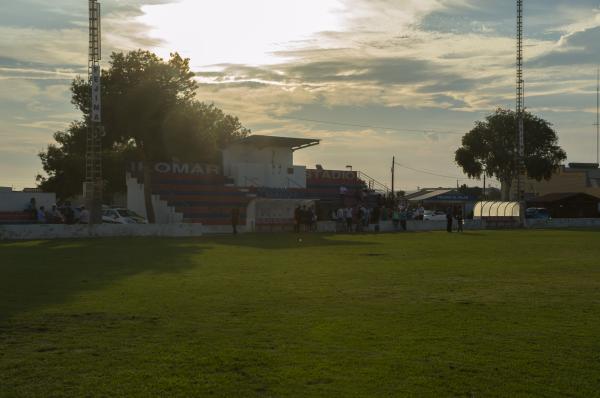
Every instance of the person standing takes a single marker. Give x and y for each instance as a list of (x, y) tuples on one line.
[(32, 208), (460, 221), (57, 217), (348, 215), (69, 214), (84, 216), (340, 220), (449, 218), (403, 217), (395, 218), (297, 219), (41, 215), (420, 212), (359, 218), (235, 219)]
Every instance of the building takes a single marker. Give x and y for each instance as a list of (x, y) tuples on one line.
[(576, 177), (568, 205), (13, 203), (442, 199), (256, 168), (266, 161)]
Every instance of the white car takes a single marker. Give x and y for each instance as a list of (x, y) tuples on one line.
[(122, 216), (431, 215)]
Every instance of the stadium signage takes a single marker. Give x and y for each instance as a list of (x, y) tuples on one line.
[(453, 198), (331, 175), (181, 168), (96, 95)]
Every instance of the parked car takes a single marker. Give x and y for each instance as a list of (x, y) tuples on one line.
[(537, 213), (122, 216), (437, 215)]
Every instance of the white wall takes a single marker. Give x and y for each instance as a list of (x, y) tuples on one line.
[(61, 231), (564, 223), (164, 213), (239, 153), (263, 167), (268, 175), (18, 201)]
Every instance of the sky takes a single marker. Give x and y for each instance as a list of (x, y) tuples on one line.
[(372, 79)]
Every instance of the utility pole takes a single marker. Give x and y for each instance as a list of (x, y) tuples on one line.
[(484, 187), (393, 175), (93, 156), (520, 109)]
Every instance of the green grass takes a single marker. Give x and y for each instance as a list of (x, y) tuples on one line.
[(481, 314)]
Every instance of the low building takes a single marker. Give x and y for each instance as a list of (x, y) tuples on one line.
[(568, 205), (266, 161), (576, 177), (17, 201), (442, 199), (14, 203)]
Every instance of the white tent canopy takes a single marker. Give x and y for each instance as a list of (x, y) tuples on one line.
[(496, 210)]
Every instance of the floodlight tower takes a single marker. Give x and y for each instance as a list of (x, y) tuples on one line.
[(520, 108), (93, 156), (598, 116)]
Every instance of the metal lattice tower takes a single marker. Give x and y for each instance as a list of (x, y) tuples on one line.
[(93, 156), (520, 106), (598, 117)]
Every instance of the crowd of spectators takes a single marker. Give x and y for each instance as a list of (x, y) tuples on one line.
[(62, 213), (305, 219)]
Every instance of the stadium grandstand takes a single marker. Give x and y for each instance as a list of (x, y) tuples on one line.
[(256, 167)]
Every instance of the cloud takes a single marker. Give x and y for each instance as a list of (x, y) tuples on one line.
[(414, 64), (576, 48)]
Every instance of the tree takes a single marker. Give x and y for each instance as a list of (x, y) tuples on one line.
[(490, 148), (64, 164), (149, 112)]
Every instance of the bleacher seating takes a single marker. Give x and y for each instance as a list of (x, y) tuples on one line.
[(19, 217), (210, 199)]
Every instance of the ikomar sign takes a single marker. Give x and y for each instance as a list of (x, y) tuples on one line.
[(199, 169), (340, 175)]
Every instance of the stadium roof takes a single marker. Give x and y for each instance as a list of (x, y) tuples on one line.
[(560, 196), (265, 141), (421, 196), (440, 195)]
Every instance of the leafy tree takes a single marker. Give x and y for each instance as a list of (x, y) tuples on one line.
[(477, 192), (149, 112), (490, 148)]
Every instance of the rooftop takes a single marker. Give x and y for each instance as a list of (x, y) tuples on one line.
[(265, 141), (560, 196)]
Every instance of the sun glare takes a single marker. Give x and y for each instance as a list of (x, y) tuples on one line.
[(239, 31)]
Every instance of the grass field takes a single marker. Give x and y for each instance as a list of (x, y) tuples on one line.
[(481, 314)]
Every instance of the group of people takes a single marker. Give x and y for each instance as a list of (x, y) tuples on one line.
[(64, 214), (357, 218), (305, 219), (450, 217)]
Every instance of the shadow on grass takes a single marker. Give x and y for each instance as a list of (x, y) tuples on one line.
[(42, 273), (36, 274), (287, 240)]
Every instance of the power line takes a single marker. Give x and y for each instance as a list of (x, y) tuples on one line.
[(417, 131), (430, 172)]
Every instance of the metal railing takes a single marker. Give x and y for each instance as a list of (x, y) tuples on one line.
[(294, 182), (373, 184)]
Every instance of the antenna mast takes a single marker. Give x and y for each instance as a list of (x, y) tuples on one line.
[(520, 108), (93, 156), (598, 117)]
